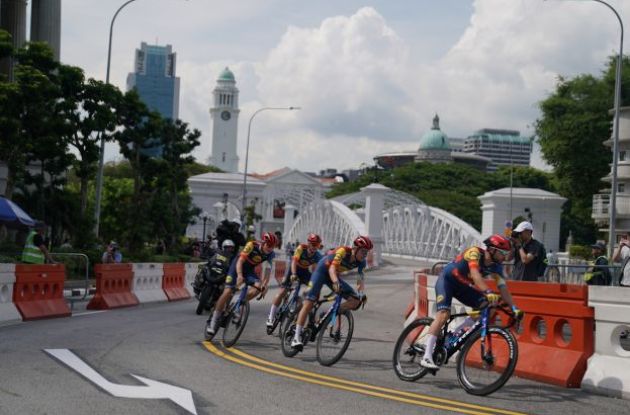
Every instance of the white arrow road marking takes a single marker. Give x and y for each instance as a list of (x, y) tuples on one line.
[(153, 390)]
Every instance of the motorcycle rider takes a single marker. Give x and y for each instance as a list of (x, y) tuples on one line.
[(218, 266)]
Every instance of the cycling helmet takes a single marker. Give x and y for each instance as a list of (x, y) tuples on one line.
[(270, 239), (363, 242), (499, 242), (314, 239), (227, 244)]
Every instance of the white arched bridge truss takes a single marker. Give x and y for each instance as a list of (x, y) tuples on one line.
[(335, 223), (426, 232), (410, 227)]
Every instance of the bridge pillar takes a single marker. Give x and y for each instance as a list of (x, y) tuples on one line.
[(289, 220), (374, 203)]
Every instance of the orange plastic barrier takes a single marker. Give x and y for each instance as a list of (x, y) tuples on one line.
[(113, 287), (173, 282), (38, 291), (422, 295), (556, 337)]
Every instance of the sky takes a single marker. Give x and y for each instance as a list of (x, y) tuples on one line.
[(368, 75)]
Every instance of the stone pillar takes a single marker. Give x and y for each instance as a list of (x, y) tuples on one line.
[(374, 203), (13, 20), (46, 23), (289, 220)]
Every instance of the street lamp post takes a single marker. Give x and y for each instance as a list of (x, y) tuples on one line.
[(204, 217), (249, 128), (99, 174)]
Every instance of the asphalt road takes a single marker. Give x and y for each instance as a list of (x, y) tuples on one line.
[(162, 342)]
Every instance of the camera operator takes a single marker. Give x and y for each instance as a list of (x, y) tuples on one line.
[(529, 254), (112, 255)]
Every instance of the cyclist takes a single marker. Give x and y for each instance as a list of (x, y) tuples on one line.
[(342, 259), (304, 259), (463, 279), (242, 271)]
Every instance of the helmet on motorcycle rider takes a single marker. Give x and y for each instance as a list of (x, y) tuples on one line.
[(499, 242), (228, 243), (314, 240), (363, 242), (270, 239)]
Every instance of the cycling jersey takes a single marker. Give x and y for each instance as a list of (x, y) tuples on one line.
[(341, 259), (252, 256), (303, 262), (455, 280)]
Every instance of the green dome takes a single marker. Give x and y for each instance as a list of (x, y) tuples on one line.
[(227, 75), (434, 139)]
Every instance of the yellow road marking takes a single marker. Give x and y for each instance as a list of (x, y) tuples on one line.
[(357, 387)]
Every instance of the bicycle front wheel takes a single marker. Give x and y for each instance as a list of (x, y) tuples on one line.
[(286, 337), (235, 324), (334, 338), (484, 368), (409, 350)]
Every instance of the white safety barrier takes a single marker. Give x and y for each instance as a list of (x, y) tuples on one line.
[(191, 271), (608, 370), (8, 312), (147, 282)]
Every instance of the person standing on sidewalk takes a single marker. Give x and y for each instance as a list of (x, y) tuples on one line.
[(35, 250)]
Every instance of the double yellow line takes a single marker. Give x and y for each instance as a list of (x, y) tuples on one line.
[(242, 358)]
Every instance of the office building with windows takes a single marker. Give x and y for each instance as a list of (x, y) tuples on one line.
[(503, 147)]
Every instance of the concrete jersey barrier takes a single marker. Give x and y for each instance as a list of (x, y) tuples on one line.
[(147, 282), (608, 369), (8, 312)]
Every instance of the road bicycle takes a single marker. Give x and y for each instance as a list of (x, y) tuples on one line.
[(487, 352), (332, 330), (286, 312), (235, 317)]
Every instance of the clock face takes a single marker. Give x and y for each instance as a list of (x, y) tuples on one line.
[(225, 115)]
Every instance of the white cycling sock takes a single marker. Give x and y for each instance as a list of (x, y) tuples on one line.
[(430, 347), (215, 318), (272, 312), (298, 333)]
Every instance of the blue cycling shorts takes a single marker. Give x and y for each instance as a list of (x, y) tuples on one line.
[(321, 277), (304, 275), (448, 287), (250, 276)]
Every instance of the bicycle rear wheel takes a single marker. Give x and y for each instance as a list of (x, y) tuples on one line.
[(483, 373), (286, 337), (409, 350), (333, 339), (235, 324)]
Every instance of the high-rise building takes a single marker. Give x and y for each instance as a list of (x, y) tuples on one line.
[(224, 114), (503, 147), (46, 23), (154, 79)]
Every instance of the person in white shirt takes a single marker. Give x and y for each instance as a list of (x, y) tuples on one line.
[(622, 254)]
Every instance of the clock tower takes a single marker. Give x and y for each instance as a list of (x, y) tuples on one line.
[(224, 114)]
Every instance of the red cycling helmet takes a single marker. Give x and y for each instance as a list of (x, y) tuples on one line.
[(270, 239), (363, 242), (314, 239), (499, 242)]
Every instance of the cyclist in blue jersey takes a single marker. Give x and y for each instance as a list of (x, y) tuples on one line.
[(304, 259), (242, 271), (464, 279), (342, 259)]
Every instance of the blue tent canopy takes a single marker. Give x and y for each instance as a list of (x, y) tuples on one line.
[(12, 215)]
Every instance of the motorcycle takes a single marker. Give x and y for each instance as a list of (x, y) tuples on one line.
[(208, 286)]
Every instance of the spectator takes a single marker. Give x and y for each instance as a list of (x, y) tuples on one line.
[(35, 250), (622, 254), (599, 274), (251, 233), (112, 254), (529, 254), (66, 244)]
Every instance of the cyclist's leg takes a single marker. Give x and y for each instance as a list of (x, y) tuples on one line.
[(253, 285), (444, 296), (284, 286), (350, 295), (318, 279), (226, 296)]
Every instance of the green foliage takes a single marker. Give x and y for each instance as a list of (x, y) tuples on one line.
[(580, 251)]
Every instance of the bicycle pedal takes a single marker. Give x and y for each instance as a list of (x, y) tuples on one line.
[(433, 371)]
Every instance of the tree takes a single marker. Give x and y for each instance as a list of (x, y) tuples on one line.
[(574, 124)]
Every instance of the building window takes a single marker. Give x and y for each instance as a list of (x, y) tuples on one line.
[(622, 156), (621, 187)]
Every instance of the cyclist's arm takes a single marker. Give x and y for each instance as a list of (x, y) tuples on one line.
[(478, 279), (332, 271), (239, 267), (293, 265), (505, 293)]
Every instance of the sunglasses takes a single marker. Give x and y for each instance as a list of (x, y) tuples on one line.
[(502, 251)]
